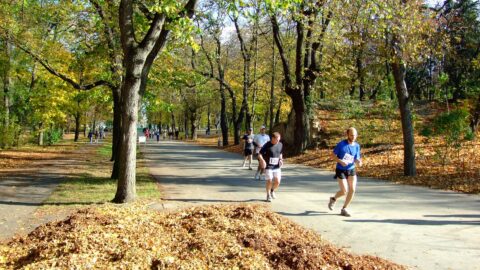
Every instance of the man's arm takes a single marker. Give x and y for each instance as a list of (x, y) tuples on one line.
[(336, 159), (358, 159), (262, 162), (280, 161)]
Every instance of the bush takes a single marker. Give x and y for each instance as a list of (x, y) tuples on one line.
[(9, 136), (52, 136), (453, 127), (352, 109)]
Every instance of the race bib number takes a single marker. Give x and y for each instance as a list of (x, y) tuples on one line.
[(348, 158), (273, 161)]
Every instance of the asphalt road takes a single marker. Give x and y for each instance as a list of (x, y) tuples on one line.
[(419, 227)]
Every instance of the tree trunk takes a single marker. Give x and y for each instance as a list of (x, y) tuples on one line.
[(277, 115), (77, 125), (409, 166), (193, 124), (272, 89), (40, 134), (475, 116), (208, 118), (361, 76), (116, 132), (7, 81), (223, 115), (174, 127), (127, 171)]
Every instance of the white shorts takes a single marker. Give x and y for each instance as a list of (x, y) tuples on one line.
[(271, 173)]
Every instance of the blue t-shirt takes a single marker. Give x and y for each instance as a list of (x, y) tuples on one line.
[(348, 153)]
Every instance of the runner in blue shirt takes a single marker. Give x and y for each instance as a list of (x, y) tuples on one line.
[(346, 154)]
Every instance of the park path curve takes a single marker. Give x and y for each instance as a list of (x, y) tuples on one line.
[(24, 189), (414, 226)]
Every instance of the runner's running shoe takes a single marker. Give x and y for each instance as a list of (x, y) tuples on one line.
[(345, 213), (269, 198), (272, 194), (332, 202)]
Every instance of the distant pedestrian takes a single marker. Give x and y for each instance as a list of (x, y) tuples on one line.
[(157, 134), (248, 148), (346, 154), (258, 141), (96, 136), (90, 136), (270, 158), (147, 133)]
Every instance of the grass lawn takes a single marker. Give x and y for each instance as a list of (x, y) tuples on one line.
[(91, 183)]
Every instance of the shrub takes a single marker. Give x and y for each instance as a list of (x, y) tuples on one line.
[(52, 136), (8, 135), (453, 127)]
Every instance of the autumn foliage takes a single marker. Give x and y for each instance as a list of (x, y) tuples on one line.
[(206, 237)]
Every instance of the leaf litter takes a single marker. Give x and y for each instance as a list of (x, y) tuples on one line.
[(206, 237)]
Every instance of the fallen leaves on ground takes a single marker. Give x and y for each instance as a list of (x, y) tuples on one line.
[(206, 237), (25, 155)]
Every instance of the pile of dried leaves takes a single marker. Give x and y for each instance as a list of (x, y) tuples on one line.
[(207, 237)]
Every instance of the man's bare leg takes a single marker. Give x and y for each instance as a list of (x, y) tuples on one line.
[(342, 183), (268, 187), (352, 185)]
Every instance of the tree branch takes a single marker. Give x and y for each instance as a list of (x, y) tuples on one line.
[(62, 76), (281, 51)]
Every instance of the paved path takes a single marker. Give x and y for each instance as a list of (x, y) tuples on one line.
[(23, 190), (419, 227)]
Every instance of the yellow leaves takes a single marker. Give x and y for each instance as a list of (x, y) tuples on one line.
[(208, 237)]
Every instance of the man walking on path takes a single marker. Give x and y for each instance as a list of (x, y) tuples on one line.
[(248, 148), (346, 154), (259, 141), (270, 158)]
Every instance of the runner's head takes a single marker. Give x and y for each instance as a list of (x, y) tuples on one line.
[(250, 130), (351, 134), (275, 137), (262, 129)]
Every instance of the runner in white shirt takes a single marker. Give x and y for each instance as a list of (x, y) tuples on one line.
[(259, 140)]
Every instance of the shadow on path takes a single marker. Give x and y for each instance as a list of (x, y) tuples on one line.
[(418, 222), (212, 200)]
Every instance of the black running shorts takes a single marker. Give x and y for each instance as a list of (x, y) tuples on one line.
[(248, 152), (344, 174)]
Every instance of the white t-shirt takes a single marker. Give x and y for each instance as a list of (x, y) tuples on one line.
[(260, 140)]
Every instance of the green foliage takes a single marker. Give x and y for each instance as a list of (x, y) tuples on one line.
[(9, 136), (453, 127), (52, 136), (352, 109)]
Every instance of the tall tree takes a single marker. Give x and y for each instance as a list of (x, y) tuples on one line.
[(311, 20), (137, 61)]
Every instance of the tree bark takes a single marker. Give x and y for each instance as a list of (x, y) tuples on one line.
[(409, 166), (7, 82), (116, 132), (272, 89), (78, 116), (127, 169), (223, 115), (193, 124), (475, 116)]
